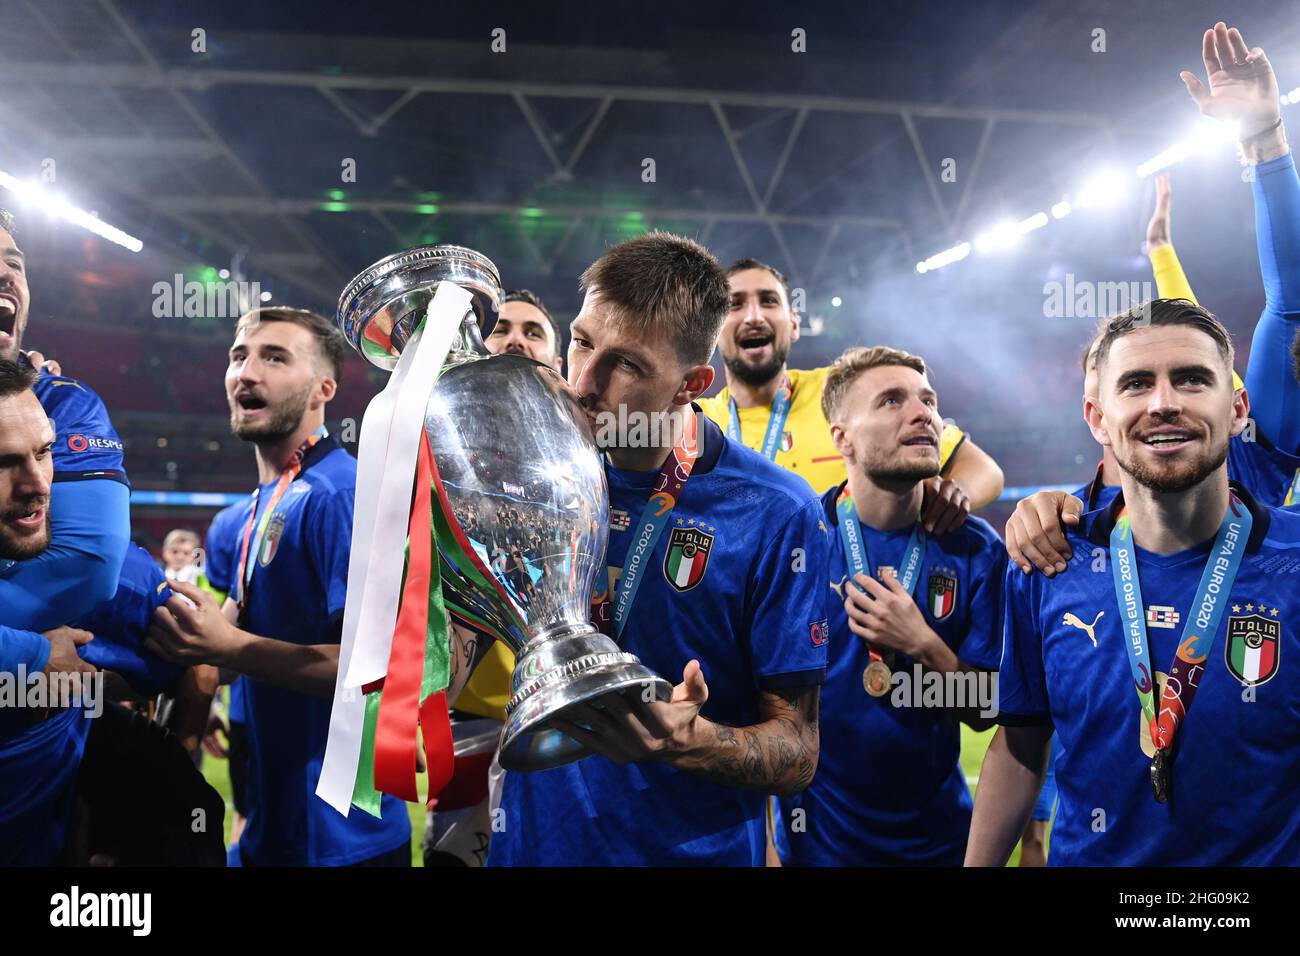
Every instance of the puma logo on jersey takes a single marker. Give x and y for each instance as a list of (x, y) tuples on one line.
[(1074, 621), (838, 587)]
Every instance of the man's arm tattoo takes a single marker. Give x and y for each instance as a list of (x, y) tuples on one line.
[(777, 754)]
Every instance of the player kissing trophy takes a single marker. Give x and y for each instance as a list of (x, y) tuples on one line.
[(506, 525)]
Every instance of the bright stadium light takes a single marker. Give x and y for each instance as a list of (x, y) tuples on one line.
[(1004, 234), (266, 296), (1037, 221), (946, 257), (1106, 187), (1208, 135), (836, 301), (33, 194)]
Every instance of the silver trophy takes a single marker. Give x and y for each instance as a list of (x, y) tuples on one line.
[(524, 486)]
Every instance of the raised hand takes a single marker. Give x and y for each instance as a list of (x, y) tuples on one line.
[(1158, 227), (1242, 87)]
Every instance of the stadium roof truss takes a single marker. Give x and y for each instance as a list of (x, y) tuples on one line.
[(159, 151)]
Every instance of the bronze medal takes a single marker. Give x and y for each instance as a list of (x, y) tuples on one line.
[(877, 678)]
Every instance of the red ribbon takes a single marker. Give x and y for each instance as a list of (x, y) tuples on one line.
[(399, 707)]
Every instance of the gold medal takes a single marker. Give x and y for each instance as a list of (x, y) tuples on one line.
[(876, 679)]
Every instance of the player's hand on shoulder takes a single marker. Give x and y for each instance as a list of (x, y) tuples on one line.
[(64, 659), (39, 361), (944, 506), (1035, 532), (190, 628)]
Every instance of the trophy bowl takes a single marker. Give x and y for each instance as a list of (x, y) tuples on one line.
[(522, 486)]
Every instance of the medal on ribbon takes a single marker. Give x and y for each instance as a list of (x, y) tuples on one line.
[(1194, 642), (878, 676)]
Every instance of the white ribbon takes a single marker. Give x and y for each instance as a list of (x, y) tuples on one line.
[(386, 460)]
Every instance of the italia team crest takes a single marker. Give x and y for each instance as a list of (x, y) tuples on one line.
[(1252, 650), (942, 593), (271, 542), (787, 441), (687, 557)]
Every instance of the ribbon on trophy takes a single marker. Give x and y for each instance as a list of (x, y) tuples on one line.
[(391, 435), (414, 691)]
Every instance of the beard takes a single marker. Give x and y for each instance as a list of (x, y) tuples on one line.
[(757, 374), (1175, 477), (896, 471), (283, 421), (21, 549)]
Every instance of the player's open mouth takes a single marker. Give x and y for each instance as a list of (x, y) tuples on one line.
[(923, 441), (250, 403), (8, 316), (754, 341), (31, 521)]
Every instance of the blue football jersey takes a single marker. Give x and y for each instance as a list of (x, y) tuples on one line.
[(298, 588), (86, 445), (120, 626), (752, 611), (889, 789), (38, 777), (220, 555), (221, 545), (1236, 773), (1266, 471)]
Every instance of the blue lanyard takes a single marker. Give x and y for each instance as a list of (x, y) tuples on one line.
[(856, 553), (775, 421), (1199, 630)]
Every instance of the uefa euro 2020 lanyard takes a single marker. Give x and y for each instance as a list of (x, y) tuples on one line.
[(667, 491), (775, 420), (291, 471), (1193, 644), (876, 678)]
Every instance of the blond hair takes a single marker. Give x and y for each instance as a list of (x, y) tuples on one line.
[(846, 369)]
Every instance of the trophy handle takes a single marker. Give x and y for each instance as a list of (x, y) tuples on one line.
[(471, 336)]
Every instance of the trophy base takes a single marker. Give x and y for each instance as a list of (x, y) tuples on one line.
[(557, 673)]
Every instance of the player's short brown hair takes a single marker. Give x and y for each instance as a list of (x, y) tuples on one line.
[(330, 342), (1166, 312), (667, 283), (846, 369), (16, 378), (742, 265)]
